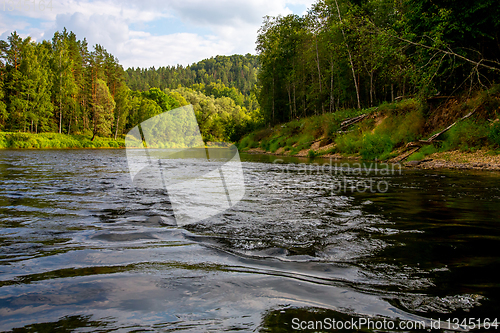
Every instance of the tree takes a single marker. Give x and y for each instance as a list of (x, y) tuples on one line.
[(39, 85), (122, 108), (103, 107)]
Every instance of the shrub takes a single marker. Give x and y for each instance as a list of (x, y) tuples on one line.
[(422, 153), (494, 134), (313, 153), (245, 143), (467, 135), (376, 146), (264, 144), (349, 143)]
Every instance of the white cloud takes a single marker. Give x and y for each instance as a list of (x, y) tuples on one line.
[(223, 27), (181, 48), (108, 30)]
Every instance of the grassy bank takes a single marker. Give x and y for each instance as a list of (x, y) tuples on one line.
[(56, 140), (390, 130)]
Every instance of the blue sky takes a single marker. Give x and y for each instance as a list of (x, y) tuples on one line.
[(150, 33)]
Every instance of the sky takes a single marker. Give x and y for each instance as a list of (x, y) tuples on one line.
[(144, 33)]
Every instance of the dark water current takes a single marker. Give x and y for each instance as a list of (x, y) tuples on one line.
[(82, 251)]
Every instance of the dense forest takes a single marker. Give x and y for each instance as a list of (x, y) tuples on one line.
[(236, 71), (59, 86), (62, 86), (359, 53)]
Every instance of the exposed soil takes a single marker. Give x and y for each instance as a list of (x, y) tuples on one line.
[(480, 160)]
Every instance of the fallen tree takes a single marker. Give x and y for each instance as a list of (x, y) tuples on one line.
[(419, 144)]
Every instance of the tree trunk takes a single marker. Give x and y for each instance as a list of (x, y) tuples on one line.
[(331, 88), (294, 101), (60, 95), (350, 58), (273, 98), (290, 100), (116, 130), (319, 76), (371, 88)]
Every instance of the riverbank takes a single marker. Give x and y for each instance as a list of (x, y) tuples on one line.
[(439, 132), (480, 160), (56, 141)]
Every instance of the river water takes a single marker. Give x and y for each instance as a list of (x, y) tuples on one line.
[(81, 248)]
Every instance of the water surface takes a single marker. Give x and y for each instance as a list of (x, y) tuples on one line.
[(82, 249)]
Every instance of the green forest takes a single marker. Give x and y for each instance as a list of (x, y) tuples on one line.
[(87, 98), (343, 58), (355, 54)]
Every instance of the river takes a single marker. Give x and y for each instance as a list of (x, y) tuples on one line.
[(308, 243)]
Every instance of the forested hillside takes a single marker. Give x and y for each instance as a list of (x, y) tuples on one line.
[(355, 54), (62, 86), (236, 71)]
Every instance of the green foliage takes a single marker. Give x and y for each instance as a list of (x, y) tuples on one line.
[(494, 134), (422, 153), (57, 86), (402, 128), (467, 135), (55, 141), (313, 153), (396, 125), (277, 143), (164, 101), (236, 71), (247, 143), (349, 143), (354, 54), (220, 119), (376, 146), (265, 144), (103, 114)]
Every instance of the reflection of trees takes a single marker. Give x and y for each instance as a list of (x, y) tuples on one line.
[(65, 324)]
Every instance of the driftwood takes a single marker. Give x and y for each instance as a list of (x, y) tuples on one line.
[(432, 138), (435, 136), (351, 121), (345, 124)]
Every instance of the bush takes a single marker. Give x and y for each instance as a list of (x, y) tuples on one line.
[(422, 153), (313, 153), (264, 144), (494, 134), (349, 143), (245, 143), (376, 146), (467, 135)]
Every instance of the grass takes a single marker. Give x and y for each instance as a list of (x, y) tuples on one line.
[(395, 125), (423, 152), (55, 140), (391, 127), (467, 136)]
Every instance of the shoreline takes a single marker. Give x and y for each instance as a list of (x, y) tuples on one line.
[(451, 160)]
